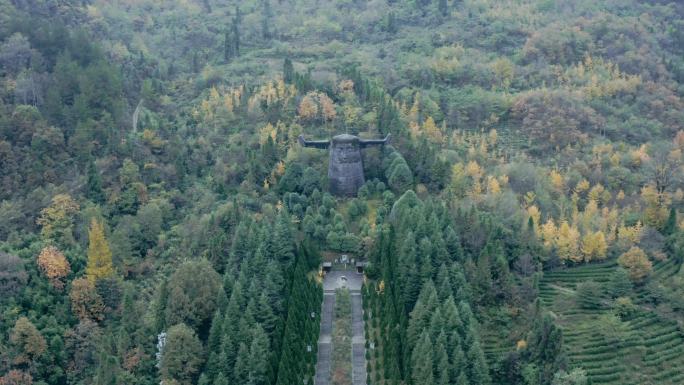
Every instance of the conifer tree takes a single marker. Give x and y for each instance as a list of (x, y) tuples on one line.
[(288, 71), (107, 370), (483, 277), (391, 26), (258, 358), (452, 321), (221, 379), (264, 314), (544, 345), (283, 240), (421, 361), (453, 244), (459, 285), (443, 7), (214, 346), (443, 283), (236, 32), (227, 45), (99, 255), (458, 364), (422, 313), (478, 372), (619, 284), (241, 371), (671, 223), (441, 360), (266, 18), (160, 307), (94, 184)]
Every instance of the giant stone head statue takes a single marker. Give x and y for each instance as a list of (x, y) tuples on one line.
[(345, 169)]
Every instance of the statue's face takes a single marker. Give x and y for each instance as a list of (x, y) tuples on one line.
[(346, 153)]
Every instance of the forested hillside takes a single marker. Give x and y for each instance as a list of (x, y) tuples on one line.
[(161, 223)]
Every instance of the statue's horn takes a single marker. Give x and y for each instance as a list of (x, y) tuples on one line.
[(313, 143), (373, 142)]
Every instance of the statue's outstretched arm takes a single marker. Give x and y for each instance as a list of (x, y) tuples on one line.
[(375, 142), (313, 143)]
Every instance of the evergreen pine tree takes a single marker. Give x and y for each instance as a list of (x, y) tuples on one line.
[(241, 371), (671, 223), (422, 312), (453, 244), (236, 32), (227, 44), (288, 71), (214, 346), (436, 323), (107, 370), (443, 283), (264, 314), (441, 360), (478, 373), (459, 285), (483, 279), (221, 379), (391, 26), (94, 184), (258, 358), (458, 366), (452, 322), (443, 7), (462, 379), (160, 307), (266, 18), (230, 338), (283, 240), (545, 344), (421, 361)]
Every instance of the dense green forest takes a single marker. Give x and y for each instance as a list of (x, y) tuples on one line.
[(160, 222)]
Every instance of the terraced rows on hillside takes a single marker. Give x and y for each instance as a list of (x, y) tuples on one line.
[(643, 348)]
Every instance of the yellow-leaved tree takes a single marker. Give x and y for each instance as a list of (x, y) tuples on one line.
[(493, 186), (567, 243), (549, 233), (594, 246), (308, 109), (56, 219), (432, 131), (557, 181), (99, 255)]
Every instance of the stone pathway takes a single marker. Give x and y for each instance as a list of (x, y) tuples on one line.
[(332, 281)]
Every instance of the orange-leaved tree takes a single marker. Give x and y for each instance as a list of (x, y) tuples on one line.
[(54, 265)]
